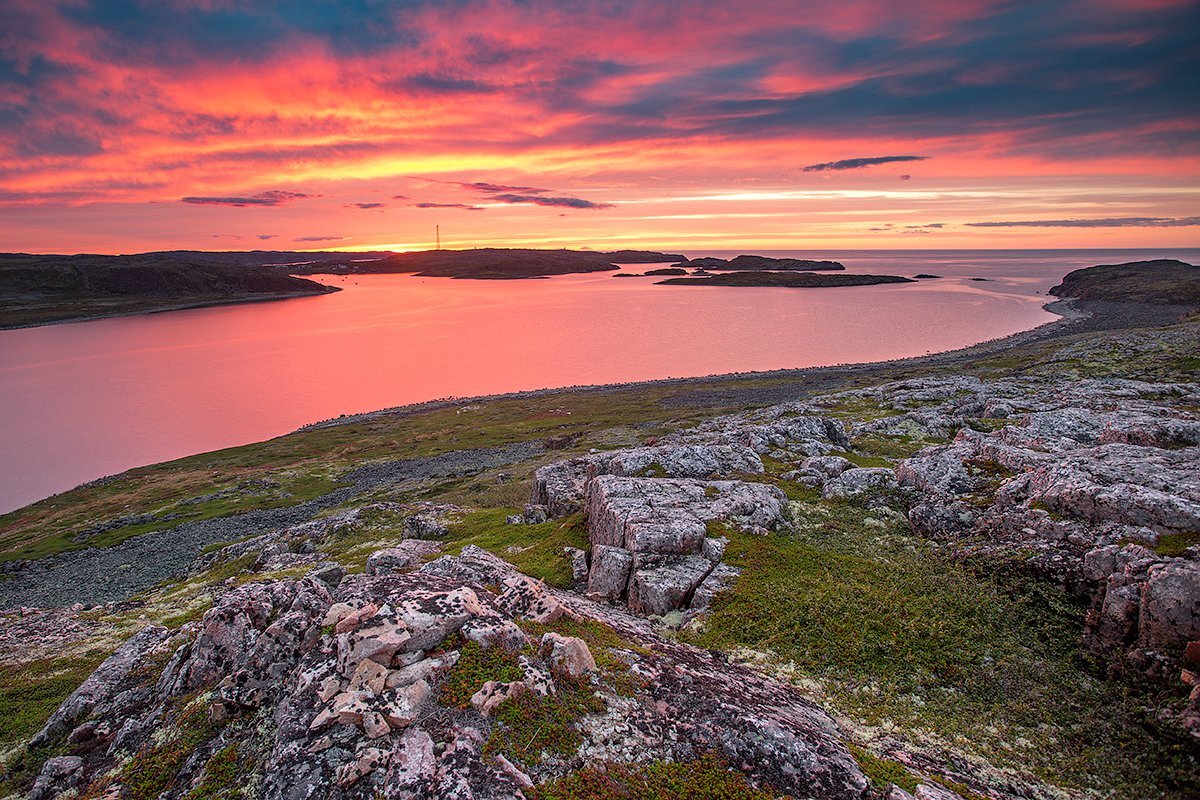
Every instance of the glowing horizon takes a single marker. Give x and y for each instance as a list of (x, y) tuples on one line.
[(222, 125)]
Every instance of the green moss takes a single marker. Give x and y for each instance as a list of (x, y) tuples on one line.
[(223, 777), (31, 692), (475, 667), (154, 770), (1176, 544), (892, 448), (864, 460), (536, 550), (883, 772), (707, 778), (529, 725), (652, 470)]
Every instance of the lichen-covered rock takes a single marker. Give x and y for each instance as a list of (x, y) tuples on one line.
[(609, 574), (663, 583), (561, 487), (323, 730), (406, 555), (860, 481)]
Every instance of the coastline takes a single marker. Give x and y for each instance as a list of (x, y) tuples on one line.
[(184, 306), (1068, 310), (716, 389)]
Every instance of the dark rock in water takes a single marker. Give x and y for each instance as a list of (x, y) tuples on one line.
[(925, 275), (795, 280), (748, 262), (627, 275), (1161, 281), (667, 271)]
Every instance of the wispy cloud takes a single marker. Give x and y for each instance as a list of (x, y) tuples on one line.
[(1106, 222), (542, 200), (463, 206), (859, 163), (271, 198), (483, 186), (265, 236), (366, 206), (319, 238)]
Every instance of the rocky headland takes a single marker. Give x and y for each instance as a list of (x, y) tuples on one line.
[(37, 289), (975, 575)]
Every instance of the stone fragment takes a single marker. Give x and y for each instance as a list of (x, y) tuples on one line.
[(370, 675), (366, 761), (661, 584), (568, 653), (406, 555), (374, 725), (610, 570), (58, 774), (432, 615)]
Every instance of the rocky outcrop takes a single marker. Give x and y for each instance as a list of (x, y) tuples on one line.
[(355, 692), (1093, 484), (559, 487), (650, 535)]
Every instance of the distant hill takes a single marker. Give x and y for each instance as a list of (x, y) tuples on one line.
[(1163, 281), (37, 289), (492, 263)]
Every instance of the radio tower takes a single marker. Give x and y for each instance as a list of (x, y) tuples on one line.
[(438, 233)]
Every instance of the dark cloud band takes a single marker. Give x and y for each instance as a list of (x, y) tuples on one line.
[(1108, 222), (858, 163)]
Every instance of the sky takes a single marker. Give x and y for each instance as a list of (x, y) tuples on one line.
[(129, 126)]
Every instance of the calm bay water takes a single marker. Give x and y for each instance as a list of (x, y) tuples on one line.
[(88, 399)]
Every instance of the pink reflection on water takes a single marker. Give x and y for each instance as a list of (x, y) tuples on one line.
[(89, 399)]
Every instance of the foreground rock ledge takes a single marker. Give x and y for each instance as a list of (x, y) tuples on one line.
[(340, 690)]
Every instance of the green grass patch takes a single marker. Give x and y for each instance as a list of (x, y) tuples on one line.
[(707, 778), (475, 667), (536, 550), (864, 460), (1176, 544), (31, 692), (889, 448), (223, 776), (898, 633), (528, 726), (882, 772)]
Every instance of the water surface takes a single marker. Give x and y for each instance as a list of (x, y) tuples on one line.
[(88, 399)]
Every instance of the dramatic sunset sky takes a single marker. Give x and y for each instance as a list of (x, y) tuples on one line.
[(243, 124)]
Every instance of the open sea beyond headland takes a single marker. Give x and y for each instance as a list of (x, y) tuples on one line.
[(88, 399)]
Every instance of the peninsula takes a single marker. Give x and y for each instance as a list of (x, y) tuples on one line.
[(42, 289)]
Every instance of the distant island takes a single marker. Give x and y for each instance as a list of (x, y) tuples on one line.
[(492, 263), (749, 262), (794, 280), (41, 289)]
